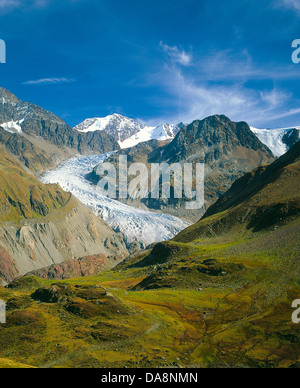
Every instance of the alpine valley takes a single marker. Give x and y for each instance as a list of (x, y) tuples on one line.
[(93, 282)]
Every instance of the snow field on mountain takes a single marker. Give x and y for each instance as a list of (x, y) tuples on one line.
[(273, 138)]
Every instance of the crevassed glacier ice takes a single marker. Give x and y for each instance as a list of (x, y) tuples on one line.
[(136, 225)]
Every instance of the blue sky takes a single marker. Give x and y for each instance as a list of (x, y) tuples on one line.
[(155, 60)]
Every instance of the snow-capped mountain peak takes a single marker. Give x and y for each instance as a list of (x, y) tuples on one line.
[(118, 126), (128, 132)]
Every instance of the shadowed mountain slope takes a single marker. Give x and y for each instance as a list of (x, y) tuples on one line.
[(264, 198), (41, 225)]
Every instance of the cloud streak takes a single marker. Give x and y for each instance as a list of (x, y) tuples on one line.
[(196, 99), (49, 81), (11, 5), (224, 65), (200, 90), (293, 4), (176, 54)]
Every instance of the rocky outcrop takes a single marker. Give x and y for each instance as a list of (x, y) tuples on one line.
[(87, 266), (66, 234)]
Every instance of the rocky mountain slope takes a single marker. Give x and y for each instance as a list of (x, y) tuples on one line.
[(264, 198), (26, 129), (41, 225), (128, 132), (242, 261), (258, 216), (227, 149)]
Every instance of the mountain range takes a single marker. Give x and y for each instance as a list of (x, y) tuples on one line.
[(129, 132), (83, 287), (218, 295), (40, 140), (227, 149), (36, 141)]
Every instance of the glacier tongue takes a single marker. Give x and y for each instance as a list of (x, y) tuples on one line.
[(136, 225)]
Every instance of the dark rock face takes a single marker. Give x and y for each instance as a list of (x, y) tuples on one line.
[(98, 142), (211, 139), (291, 138)]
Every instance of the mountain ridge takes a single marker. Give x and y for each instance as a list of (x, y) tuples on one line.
[(127, 131), (38, 129)]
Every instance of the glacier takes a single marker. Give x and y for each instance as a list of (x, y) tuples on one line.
[(135, 224), (273, 138)]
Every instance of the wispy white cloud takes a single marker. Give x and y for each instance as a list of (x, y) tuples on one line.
[(219, 84), (176, 54), (11, 5), (225, 65), (294, 4), (49, 81), (196, 100)]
